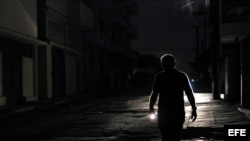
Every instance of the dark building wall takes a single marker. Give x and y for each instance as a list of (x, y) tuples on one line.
[(245, 78), (59, 35), (42, 72), (13, 52), (58, 73), (232, 73)]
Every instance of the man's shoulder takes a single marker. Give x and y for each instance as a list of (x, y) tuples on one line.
[(180, 72), (160, 73), (174, 72)]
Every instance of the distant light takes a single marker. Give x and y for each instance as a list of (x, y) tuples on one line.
[(192, 80), (222, 96)]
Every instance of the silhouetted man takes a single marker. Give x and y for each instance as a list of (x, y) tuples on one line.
[(170, 85)]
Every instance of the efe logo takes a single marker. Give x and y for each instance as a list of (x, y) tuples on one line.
[(237, 132)]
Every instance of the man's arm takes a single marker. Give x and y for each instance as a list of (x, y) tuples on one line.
[(191, 98), (152, 100), (190, 95)]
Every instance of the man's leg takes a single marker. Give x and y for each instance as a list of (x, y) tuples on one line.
[(171, 132)]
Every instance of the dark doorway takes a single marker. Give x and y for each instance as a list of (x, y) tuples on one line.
[(58, 68)]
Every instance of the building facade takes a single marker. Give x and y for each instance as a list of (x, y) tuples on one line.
[(54, 49), (110, 41), (230, 50), (19, 40)]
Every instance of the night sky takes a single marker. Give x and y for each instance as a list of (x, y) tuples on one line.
[(164, 26)]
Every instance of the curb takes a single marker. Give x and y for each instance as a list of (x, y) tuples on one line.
[(38, 105), (18, 109), (246, 112)]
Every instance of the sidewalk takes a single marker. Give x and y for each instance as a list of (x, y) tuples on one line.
[(212, 116), (52, 103), (47, 104)]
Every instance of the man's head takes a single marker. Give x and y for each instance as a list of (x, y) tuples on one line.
[(168, 61)]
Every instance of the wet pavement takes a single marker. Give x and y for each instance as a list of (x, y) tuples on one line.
[(121, 117)]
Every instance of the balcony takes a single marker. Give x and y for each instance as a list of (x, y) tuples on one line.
[(235, 11), (131, 7), (97, 38), (103, 5), (132, 32), (119, 20), (124, 53), (86, 16)]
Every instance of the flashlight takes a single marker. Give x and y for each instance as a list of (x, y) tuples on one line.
[(152, 116)]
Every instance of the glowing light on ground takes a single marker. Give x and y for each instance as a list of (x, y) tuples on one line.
[(152, 116), (200, 97)]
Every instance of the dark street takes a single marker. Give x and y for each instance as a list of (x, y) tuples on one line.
[(95, 70), (120, 117), (111, 118)]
